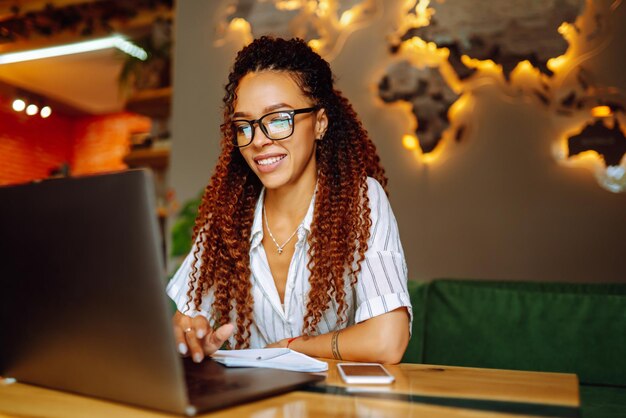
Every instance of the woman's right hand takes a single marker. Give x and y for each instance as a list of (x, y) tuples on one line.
[(195, 337)]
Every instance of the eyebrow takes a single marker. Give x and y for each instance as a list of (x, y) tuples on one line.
[(265, 110)]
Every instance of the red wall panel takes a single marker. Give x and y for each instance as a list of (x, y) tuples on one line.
[(30, 147)]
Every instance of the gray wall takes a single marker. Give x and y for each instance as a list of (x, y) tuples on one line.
[(496, 206)]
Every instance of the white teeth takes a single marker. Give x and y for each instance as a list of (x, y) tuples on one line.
[(271, 160)]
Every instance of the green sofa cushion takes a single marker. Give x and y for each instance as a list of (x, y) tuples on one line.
[(559, 327), (417, 293), (602, 401)]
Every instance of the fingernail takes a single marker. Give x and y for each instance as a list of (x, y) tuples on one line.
[(197, 357), (182, 348), (200, 333)]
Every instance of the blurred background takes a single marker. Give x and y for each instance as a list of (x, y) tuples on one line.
[(501, 126)]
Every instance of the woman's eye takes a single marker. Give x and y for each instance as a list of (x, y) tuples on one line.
[(243, 129), (279, 125)]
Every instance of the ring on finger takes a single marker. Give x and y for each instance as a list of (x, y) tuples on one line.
[(188, 329)]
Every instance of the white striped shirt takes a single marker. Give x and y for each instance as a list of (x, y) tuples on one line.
[(381, 285)]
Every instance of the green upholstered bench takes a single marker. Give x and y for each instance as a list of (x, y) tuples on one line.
[(556, 327)]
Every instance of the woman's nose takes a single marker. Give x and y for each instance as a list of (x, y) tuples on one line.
[(259, 138)]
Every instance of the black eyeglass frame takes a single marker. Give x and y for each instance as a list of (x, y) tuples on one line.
[(291, 112)]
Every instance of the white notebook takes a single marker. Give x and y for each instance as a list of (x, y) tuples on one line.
[(273, 358)]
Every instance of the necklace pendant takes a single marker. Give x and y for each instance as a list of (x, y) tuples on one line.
[(280, 251)]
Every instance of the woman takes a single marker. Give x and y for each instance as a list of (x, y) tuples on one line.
[(295, 242)]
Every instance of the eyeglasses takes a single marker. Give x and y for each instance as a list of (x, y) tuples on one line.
[(275, 125)]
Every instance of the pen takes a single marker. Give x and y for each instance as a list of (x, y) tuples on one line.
[(270, 356)]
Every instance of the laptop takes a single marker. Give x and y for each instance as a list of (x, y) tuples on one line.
[(83, 306)]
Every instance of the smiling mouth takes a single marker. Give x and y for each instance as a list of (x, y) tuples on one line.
[(270, 160)]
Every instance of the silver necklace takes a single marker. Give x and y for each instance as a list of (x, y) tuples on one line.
[(278, 246), (267, 225)]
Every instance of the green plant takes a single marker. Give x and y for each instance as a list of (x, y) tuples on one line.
[(182, 230)]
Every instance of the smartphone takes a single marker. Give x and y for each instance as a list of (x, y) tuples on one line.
[(365, 373)]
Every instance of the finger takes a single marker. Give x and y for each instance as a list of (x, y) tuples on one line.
[(180, 340), (195, 345), (200, 324), (217, 338), (179, 321)]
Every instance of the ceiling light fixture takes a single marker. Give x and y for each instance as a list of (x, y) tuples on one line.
[(45, 112), (116, 41), (19, 105), (32, 109)]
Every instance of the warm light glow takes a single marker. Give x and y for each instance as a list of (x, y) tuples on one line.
[(459, 107), (525, 66), (239, 24), (601, 111), (323, 8), (589, 157), (315, 44), (288, 5), (410, 142), (428, 158), (240, 29), (32, 109), (421, 53), (482, 65), (415, 14), (432, 156), (45, 112), (19, 105), (554, 64), (346, 18), (115, 41)]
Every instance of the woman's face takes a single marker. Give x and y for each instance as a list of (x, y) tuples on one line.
[(290, 161)]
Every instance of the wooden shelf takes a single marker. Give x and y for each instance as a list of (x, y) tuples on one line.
[(155, 103), (155, 158)]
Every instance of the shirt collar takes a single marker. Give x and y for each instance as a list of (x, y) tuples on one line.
[(256, 235)]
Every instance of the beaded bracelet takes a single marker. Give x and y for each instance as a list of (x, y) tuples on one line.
[(334, 345)]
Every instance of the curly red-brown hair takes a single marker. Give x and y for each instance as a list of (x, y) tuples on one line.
[(341, 220)]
